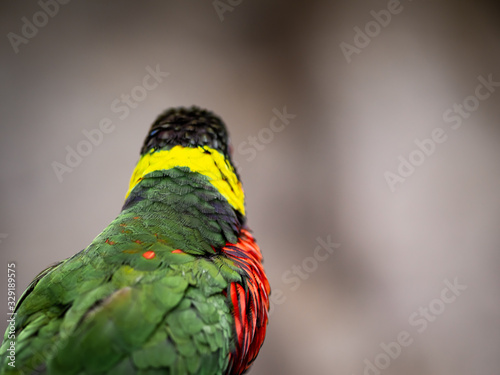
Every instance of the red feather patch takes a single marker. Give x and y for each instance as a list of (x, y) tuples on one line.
[(250, 302)]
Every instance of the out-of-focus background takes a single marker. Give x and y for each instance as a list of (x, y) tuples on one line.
[(410, 281)]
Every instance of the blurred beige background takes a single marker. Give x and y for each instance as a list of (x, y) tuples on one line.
[(323, 175)]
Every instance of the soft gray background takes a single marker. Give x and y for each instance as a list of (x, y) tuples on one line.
[(323, 175)]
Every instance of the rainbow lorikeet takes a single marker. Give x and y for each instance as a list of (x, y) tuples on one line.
[(174, 285)]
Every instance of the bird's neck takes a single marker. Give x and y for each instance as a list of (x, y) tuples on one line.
[(189, 198), (205, 161)]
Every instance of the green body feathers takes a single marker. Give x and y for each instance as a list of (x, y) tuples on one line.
[(150, 294), (176, 291)]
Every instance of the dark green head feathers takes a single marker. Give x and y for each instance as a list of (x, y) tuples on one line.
[(187, 127)]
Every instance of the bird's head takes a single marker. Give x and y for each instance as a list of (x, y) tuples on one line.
[(187, 127)]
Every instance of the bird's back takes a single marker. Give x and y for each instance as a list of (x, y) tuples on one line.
[(173, 285)]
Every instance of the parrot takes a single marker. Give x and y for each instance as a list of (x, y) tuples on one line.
[(174, 285)]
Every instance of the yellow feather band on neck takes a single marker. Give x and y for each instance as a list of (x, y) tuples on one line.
[(213, 166)]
